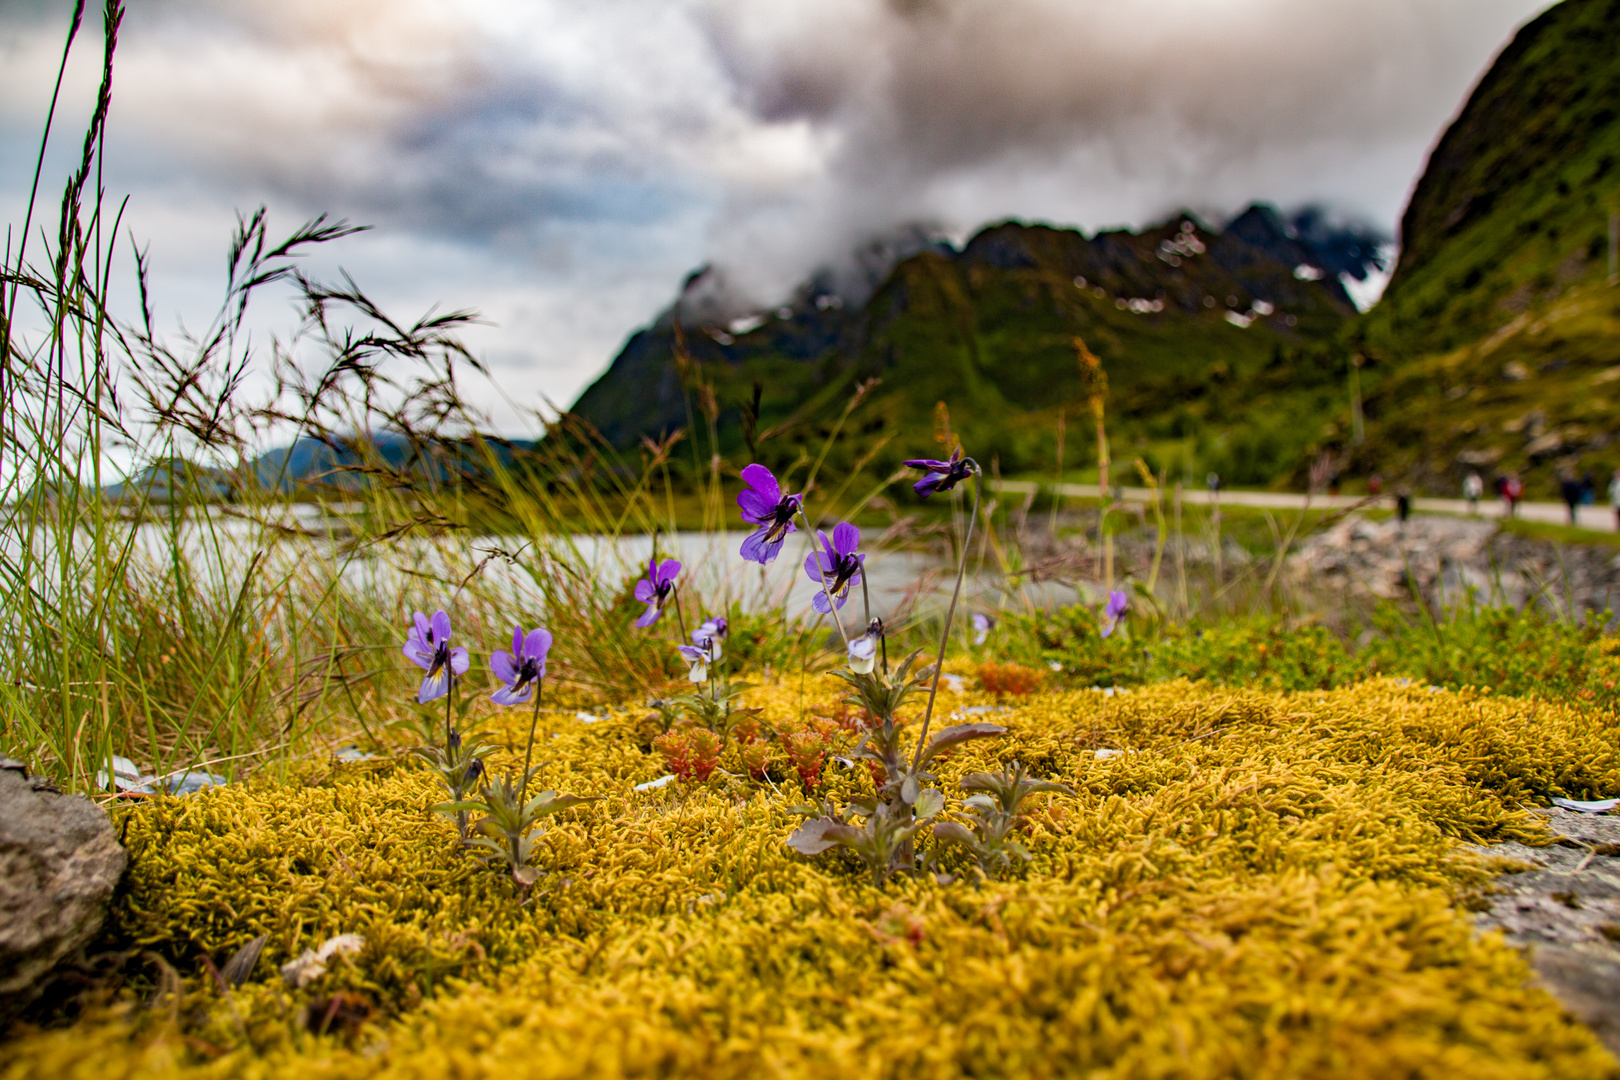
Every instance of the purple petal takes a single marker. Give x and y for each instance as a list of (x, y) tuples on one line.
[(416, 654), (753, 547), (772, 548), (504, 666), (693, 654), (667, 572), (517, 641), (441, 627), (434, 686), (931, 464), (818, 601), (506, 695), (460, 661), (538, 645), (424, 629), (812, 566), (846, 538), (1108, 627), (763, 481), (645, 592), (649, 616), (756, 508)]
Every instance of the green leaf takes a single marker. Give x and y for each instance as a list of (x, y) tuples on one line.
[(930, 802), (952, 833)]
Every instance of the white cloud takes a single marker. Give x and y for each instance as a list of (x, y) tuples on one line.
[(561, 165)]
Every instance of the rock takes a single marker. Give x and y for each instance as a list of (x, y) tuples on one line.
[(1561, 904), (59, 862)]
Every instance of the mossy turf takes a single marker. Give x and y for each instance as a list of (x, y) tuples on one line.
[(1260, 884)]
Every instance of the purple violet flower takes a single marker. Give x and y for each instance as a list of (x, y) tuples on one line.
[(700, 657), (522, 668), (1114, 611), (427, 645), (711, 635), (982, 625), (837, 564), (654, 589), (763, 504), (942, 475)]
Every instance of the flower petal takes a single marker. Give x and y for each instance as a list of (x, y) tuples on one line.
[(517, 641), (756, 508), (424, 629), (460, 661), (763, 481), (649, 616), (538, 645), (667, 572), (441, 627), (507, 695), (434, 686), (846, 538), (645, 592), (504, 666), (753, 547)]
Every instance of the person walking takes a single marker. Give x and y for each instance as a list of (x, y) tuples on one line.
[(1570, 489), (1512, 492), (1473, 488), (1403, 505)]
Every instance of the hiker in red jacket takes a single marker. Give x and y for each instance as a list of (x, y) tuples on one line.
[(1512, 492)]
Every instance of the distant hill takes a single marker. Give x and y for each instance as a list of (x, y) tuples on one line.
[(1219, 346), (1497, 343)]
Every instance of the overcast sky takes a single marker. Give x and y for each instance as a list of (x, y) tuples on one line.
[(560, 165)]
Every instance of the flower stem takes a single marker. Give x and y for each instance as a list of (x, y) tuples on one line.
[(680, 614), (528, 754), (950, 612)]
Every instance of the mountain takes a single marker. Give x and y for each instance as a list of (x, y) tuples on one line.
[(1497, 341), (1218, 344)]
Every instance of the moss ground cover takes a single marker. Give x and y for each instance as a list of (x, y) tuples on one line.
[(1256, 884)]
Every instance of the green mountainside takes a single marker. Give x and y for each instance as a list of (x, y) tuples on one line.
[(1218, 347), (1496, 343)]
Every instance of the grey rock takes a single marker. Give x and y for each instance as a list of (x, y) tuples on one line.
[(1562, 906), (59, 863)]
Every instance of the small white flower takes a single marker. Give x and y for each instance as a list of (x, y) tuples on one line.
[(863, 654)]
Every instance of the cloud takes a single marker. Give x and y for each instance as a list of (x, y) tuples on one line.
[(562, 165)]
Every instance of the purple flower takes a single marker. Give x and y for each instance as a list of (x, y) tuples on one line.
[(711, 634), (427, 645), (763, 504), (837, 565), (654, 589), (942, 475), (700, 657), (982, 625), (522, 668), (1114, 610)]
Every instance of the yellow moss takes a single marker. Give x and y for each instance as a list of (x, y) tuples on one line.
[(1260, 885)]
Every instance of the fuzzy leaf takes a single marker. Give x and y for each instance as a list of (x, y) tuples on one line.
[(908, 790), (549, 802), (952, 833), (958, 734), (929, 802), (814, 837)]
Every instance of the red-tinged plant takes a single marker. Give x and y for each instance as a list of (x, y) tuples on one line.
[(690, 755), (807, 749), (756, 758), (1009, 678)]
